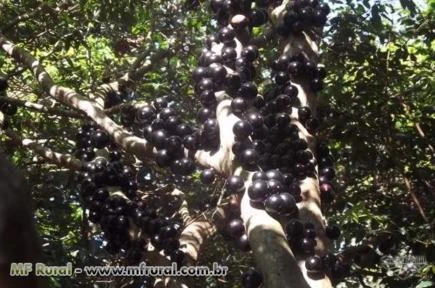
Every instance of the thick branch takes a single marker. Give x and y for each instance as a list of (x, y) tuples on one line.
[(223, 159), (135, 145), (198, 231), (271, 252), (67, 96)]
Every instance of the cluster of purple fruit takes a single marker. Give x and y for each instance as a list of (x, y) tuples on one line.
[(303, 15), (116, 213), (255, 16), (301, 237), (109, 190), (90, 138)]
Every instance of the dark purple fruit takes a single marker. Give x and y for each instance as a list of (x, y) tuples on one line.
[(160, 103), (208, 176), (243, 243), (259, 175), (274, 174), (310, 232), (183, 130), (275, 186), (166, 113), (248, 91), (191, 142), (294, 229), (273, 204), (177, 257), (226, 34), (328, 260), (236, 228), (290, 18), (101, 194), (173, 145), (320, 72), (316, 84), (210, 125), (306, 14), (249, 157), (235, 184), (239, 105), (314, 264), (308, 244), (295, 67), (328, 172), (281, 63), (205, 113), (186, 166), (304, 113), (251, 279), (233, 82), (327, 193), (291, 91), (100, 139), (258, 102), (168, 231), (218, 73), (250, 53), (324, 7), (298, 27), (229, 55), (281, 78), (158, 138), (206, 84), (288, 204), (145, 114), (163, 158), (242, 129), (199, 73), (258, 17), (255, 119), (258, 191)]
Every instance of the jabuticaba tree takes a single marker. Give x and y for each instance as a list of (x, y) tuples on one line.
[(245, 128)]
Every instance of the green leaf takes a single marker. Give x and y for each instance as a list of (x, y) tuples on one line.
[(425, 284)]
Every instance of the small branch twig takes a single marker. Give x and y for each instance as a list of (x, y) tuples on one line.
[(132, 76), (62, 160), (415, 199), (41, 108)]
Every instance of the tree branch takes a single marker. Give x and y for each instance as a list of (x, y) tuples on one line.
[(61, 160), (415, 199), (221, 161), (271, 252), (135, 74), (23, 17), (69, 97), (41, 108)]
